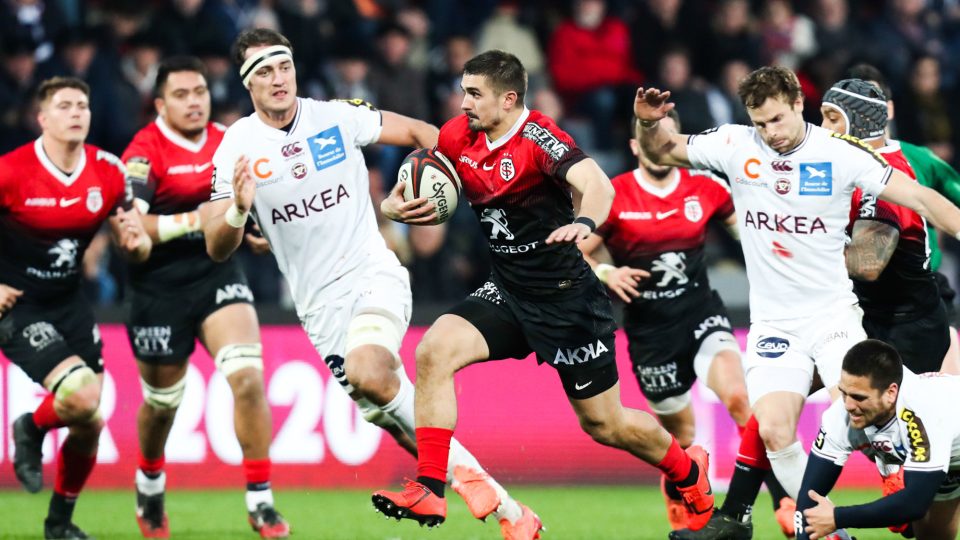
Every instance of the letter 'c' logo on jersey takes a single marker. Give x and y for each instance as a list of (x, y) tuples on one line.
[(750, 168), (259, 166)]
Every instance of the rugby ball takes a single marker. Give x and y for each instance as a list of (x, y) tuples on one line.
[(428, 173)]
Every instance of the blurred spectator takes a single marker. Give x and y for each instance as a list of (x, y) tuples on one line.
[(445, 78), (17, 82), (658, 25), (504, 31), (185, 24), (226, 89), (688, 93), (927, 114), (590, 62), (139, 64), (788, 38), (725, 104), (392, 67), (348, 77), (418, 27), (731, 37), (25, 127), (901, 34), (836, 35), (36, 20)]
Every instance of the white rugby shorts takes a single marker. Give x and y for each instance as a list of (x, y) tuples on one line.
[(380, 289), (781, 355)]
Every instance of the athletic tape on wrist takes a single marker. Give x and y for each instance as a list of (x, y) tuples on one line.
[(252, 63), (235, 218), (603, 271)]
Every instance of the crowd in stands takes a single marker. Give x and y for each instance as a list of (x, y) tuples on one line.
[(585, 59)]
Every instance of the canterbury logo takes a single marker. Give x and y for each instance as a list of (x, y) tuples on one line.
[(782, 166)]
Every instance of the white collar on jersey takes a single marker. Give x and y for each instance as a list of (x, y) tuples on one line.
[(275, 133), (891, 146), (661, 192), (493, 145), (807, 129), (180, 140), (65, 179)]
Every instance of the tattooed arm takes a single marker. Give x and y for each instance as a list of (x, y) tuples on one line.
[(870, 249)]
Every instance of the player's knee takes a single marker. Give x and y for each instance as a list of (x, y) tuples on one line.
[(433, 355), (164, 400), (737, 403), (370, 370), (247, 385), (601, 428), (77, 394), (776, 433)]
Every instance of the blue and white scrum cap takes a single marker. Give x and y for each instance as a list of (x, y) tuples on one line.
[(862, 105), (268, 54)]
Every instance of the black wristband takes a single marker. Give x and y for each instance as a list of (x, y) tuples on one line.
[(587, 221)]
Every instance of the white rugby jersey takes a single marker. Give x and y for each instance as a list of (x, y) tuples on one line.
[(924, 435), (792, 210), (313, 194)]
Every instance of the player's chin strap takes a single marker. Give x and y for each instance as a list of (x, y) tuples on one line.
[(254, 62)]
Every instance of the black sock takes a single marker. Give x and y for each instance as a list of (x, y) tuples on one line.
[(776, 489), (434, 485), (33, 430), (692, 476), (258, 486), (61, 508), (744, 487), (671, 490)]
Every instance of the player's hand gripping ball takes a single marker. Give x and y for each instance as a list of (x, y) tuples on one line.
[(428, 173)]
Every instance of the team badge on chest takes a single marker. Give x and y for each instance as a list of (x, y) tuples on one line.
[(507, 170), (94, 200), (693, 211)]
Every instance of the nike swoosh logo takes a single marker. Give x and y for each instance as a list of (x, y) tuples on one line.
[(490, 168), (69, 202), (662, 215), (577, 386), (201, 168)]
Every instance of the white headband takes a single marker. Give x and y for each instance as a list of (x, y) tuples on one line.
[(251, 64)]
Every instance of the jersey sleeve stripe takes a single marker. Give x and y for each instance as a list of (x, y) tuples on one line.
[(219, 196)]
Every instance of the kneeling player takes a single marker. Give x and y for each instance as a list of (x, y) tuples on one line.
[(676, 325), (897, 419), (180, 295), (517, 167), (55, 193)]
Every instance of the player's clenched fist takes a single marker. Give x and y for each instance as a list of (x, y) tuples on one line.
[(419, 211), (131, 237), (244, 186)]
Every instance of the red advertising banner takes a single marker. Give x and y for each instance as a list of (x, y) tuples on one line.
[(514, 417)]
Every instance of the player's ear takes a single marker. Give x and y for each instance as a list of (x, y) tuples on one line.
[(509, 99), (635, 147), (160, 106)]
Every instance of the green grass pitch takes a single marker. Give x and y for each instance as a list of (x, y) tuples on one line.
[(595, 512)]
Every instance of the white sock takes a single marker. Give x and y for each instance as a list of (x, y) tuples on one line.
[(256, 497), (151, 486), (788, 465), (400, 409)]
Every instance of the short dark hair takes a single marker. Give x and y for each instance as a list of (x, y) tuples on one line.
[(870, 73), (51, 86), (256, 37), (503, 71), (769, 82), (877, 360), (672, 113), (175, 64)]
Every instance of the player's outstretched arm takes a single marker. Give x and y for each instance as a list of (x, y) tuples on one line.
[(402, 130), (621, 280), (928, 203), (871, 247), (129, 236), (590, 180), (818, 479), (226, 218), (661, 146)]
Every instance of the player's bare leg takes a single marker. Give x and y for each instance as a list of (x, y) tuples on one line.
[(376, 375), (154, 420), (777, 414), (73, 402), (232, 336), (941, 521)]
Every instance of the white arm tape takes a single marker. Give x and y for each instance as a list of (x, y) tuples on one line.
[(177, 225), (603, 271), (235, 218)]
